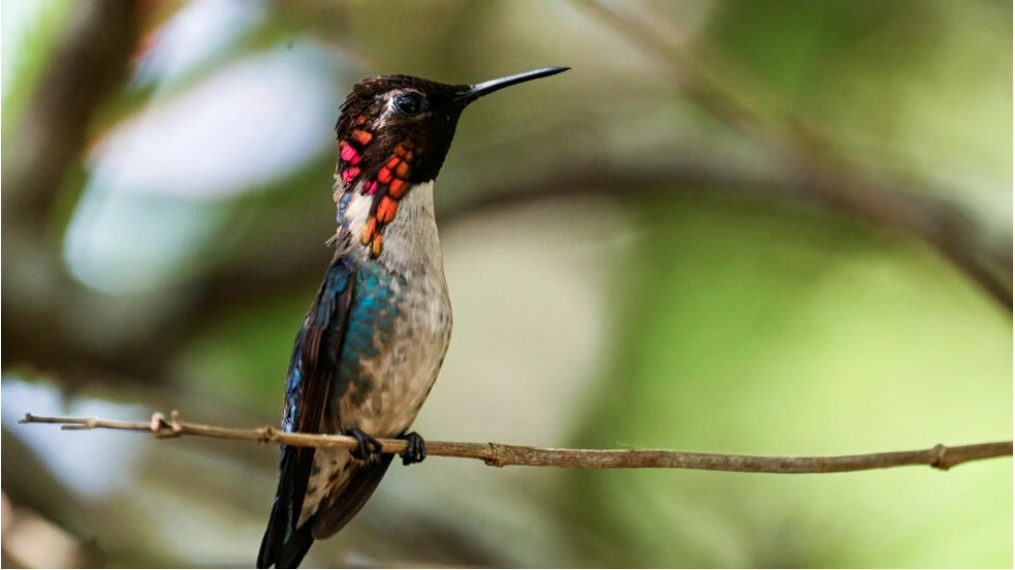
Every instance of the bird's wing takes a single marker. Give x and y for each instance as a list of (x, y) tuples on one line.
[(308, 382), (358, 486)]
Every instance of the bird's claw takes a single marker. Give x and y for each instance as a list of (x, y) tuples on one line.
[(367, 444), (415, 449)]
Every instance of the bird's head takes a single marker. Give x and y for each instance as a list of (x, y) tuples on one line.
[(394, 132)]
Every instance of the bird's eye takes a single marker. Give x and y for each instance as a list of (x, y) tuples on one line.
[(409, 104)]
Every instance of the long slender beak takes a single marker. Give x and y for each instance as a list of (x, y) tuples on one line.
[(485, 88)]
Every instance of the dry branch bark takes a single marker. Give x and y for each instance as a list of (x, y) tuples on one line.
[(501, 455)]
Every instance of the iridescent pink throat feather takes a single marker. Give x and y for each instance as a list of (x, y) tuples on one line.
[(388, 185)]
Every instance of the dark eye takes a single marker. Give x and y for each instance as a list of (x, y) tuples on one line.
[(409, 104)]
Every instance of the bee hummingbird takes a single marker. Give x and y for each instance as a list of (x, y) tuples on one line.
[(375, 337)]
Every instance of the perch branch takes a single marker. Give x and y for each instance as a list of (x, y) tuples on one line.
[(500, 455)]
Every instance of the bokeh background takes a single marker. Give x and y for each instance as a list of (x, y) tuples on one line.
[(734, 226)]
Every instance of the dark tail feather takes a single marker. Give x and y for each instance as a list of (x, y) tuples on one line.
[(281, 551), (271, 544), (278, 549), (295, 548), (285, 547), (283, 544)]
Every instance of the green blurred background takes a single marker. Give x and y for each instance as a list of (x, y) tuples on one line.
[(734, 226)]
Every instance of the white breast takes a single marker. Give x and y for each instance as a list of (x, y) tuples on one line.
[(409, 365), (411, 244)]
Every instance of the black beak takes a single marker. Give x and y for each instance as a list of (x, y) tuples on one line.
[(485, 88)]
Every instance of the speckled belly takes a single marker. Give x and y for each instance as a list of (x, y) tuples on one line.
[(397, 335), (395, 341)]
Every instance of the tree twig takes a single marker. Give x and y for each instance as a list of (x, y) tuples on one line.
[(500, 455)]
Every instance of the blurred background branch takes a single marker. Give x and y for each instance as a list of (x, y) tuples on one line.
[(729, 92), (88, 65), (44, 161)]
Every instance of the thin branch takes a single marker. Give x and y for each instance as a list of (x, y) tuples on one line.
[(500, 455)]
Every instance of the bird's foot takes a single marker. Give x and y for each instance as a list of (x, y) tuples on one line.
[(415, 449), (367, 444)]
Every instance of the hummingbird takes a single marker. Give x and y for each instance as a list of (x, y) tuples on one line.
[(377, 332)]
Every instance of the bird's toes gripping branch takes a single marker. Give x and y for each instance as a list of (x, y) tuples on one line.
[(367, 444), (415, 449)]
